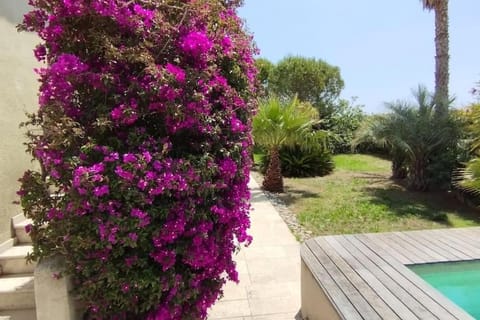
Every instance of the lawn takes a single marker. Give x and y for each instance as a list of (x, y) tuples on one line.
[(359, 197)]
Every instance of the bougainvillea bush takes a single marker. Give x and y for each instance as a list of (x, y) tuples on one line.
[(143, 139)]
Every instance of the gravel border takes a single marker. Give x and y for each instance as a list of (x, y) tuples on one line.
[(290, 218)]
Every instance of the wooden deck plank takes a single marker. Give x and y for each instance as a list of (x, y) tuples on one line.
[(331, 289), (350, 291), (425, 287), (458, 234), (376, 302), (387, 249), (450, 240), (388, 267), (366, 276), (426, 239), (401, 292), (404, 247), (396, 304), (420, 250), (472, 236)]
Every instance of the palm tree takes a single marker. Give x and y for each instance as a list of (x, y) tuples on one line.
[(377, 130), (280, 124), (440, 8), (468, 179), (413, 134)]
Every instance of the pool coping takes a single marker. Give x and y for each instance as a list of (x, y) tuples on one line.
[(365, 276)]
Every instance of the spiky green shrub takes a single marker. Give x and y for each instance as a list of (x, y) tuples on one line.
[(468, 178), (299, 162)]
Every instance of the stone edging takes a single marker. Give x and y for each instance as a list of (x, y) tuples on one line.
[(299, 231)]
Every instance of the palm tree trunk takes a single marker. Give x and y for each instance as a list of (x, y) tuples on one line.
[(442, 57), (398, 169), (418, 178), (273, 180)]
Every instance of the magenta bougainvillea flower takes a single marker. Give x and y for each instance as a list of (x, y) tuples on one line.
[(196, 44), (146, 109)]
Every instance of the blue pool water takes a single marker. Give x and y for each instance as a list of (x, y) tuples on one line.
[(459, 281)]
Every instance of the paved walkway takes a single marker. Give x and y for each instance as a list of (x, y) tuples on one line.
[(269, 270)]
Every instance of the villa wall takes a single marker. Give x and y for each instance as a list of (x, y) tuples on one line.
[(18, 94)]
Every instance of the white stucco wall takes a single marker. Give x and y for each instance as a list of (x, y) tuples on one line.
[(18, 94)]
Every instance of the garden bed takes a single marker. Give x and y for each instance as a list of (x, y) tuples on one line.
[(360, 197)]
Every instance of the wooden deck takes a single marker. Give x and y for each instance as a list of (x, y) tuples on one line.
[(365, 277)]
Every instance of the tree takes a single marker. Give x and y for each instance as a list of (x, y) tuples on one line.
[(311, 80), (145, 131), (265, 69), (279, 124), (440, 8), (345, 119), (414, 135)]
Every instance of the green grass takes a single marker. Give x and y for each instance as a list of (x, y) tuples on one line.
[(257, 158), (359, 197), (361, 163)]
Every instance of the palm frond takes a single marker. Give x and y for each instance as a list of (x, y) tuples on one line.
[(468, 179), (410, 131), (279, 123), (429, 4)]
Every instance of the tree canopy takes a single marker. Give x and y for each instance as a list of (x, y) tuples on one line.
[(311, 80), (265, 68), (278, 124)]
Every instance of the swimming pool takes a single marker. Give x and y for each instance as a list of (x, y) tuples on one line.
[(459, 281)]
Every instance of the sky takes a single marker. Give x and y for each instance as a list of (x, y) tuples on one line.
[(383, 48)]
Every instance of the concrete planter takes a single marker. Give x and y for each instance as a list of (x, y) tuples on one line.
[(53, 297)]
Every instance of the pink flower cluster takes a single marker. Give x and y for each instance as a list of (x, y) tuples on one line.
[(196, 44), (150, 160)]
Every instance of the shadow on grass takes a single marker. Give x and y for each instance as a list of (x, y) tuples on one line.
[(293, 195), (375, 198), (431, 206), (372, 177)]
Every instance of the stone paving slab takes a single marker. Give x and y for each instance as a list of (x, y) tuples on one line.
[(269, 270)]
